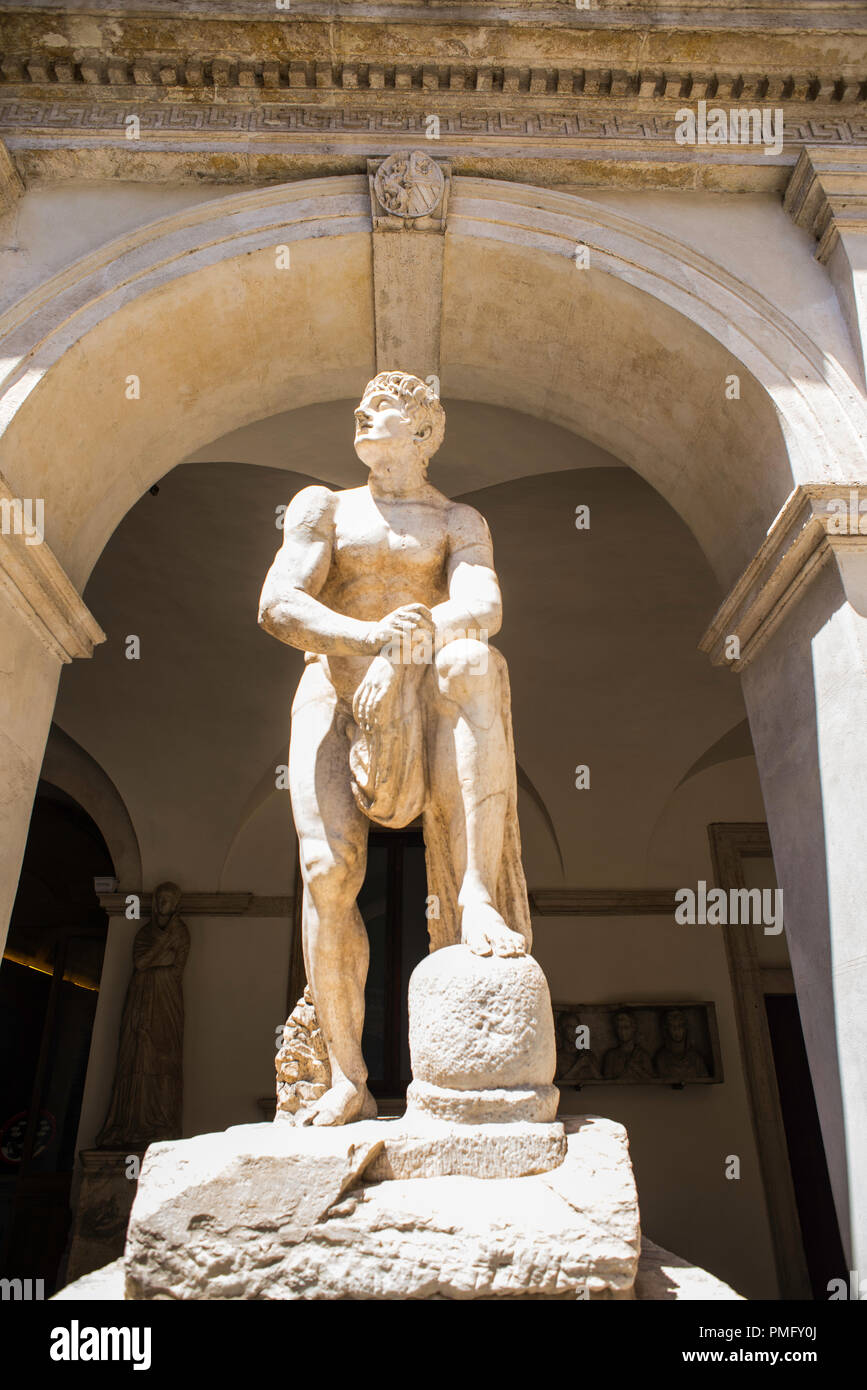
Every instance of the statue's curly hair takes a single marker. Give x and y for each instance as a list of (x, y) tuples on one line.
[(420, 402)]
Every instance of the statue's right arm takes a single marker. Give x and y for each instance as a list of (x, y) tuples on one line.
[(289, 608)]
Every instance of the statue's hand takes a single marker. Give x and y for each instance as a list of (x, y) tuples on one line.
[(373, 702), (401, 625)]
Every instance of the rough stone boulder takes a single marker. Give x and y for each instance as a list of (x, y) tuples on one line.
[(481, 1039)]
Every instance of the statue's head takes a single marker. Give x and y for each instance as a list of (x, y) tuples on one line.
[(624, 1026), (398, 412), (674, 1025), (167, 897)]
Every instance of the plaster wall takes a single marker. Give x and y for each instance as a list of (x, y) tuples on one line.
[(750, 236), (51, 228)]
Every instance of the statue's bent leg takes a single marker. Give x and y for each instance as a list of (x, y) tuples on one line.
[(470, 778), (332, 843)]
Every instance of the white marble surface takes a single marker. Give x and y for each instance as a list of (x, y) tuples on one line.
[(281, 1211)]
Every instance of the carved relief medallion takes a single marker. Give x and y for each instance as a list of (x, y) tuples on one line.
[(409, 184)]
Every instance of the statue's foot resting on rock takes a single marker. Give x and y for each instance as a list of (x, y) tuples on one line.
[(486, 934), (345, 1101)]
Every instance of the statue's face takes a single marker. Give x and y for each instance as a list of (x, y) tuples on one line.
[(625, 1027), (675, 1026), (381, 427), (165, 902)]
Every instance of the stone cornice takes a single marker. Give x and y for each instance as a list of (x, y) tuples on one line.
[(775, 52), (37, 586), (203, 904), (780, 16), (603, 902), (241, 92), (545, 902), (543, 139), (11, 186), (129, 76), (801, 540), (827, 195), (264, 103)]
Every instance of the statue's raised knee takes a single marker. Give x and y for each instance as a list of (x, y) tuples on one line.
[(463, 664)]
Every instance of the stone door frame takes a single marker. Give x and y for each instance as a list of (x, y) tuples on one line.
[(730, 844)]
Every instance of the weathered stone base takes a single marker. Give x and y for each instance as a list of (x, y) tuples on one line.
[(662, 1277), (273, 1212), (281, 1212), (503, 1104), (102, 1209)]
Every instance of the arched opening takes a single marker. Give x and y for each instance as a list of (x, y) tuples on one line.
[(189, 345), (599, 633), (49, 986)]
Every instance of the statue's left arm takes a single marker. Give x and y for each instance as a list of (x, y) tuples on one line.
[(474, 603), (473, 608)]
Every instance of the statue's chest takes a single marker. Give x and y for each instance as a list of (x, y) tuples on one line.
[(408, 538)]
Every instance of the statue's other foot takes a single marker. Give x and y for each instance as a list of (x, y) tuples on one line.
[(486, 934), (344, 1102)]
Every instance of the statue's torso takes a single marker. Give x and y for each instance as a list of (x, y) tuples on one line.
[(384, 554)]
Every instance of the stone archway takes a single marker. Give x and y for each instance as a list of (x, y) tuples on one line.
[(199, 305), (67, 765), (136, 356)]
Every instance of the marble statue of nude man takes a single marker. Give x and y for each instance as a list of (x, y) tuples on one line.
[(402, 710)]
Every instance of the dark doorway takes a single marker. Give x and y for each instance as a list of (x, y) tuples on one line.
[(819, 1230), (49, 982), (392, 902)]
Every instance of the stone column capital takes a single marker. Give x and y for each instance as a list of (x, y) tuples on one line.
[(827, 194), (37, 586), (11, 186), (818, 521)]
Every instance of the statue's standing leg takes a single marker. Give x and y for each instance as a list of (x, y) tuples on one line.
[(469, 776), (332, 842)]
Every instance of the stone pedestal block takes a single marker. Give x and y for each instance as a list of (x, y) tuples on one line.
[(417, 1149), (481, 1039), (282, 1212)]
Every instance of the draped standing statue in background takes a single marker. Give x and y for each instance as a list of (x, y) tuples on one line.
[(146, 1104)]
